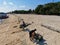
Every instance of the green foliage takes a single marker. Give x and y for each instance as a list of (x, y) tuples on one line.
[(23, 11), (50, 8), (38, 9)]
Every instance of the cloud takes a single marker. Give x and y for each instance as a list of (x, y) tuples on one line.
[(7, 3), (4, 3), (22, 6), (7, 8), (11, 3), (10, 6)]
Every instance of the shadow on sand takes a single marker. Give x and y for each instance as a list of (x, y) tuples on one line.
[(27, 30), (41, 42)]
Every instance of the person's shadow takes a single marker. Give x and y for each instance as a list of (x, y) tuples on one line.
[(27, 30), (42, 42)]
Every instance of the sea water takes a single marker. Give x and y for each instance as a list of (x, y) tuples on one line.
[(1, 20)]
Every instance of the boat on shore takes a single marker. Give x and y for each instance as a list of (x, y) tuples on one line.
[(3, 15)]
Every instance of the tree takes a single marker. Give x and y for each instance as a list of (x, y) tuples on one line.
[(38, 9), (48, 9)]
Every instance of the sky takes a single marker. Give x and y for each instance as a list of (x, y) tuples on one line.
[(11, 5)]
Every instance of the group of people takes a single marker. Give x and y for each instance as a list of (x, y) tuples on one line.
[(32, 34)]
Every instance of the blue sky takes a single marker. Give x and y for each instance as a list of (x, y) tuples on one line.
[(10, 5)]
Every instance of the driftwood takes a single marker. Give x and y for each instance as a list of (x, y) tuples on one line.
[(50, 27)]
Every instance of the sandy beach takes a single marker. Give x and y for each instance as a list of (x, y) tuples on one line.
[(11, 34)]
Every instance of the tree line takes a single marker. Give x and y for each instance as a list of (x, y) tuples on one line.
[(46, 9), (23, 11)]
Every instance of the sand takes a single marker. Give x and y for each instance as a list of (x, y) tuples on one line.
[(11, 34)]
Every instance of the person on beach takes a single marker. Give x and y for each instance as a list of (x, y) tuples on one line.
[(23, 25), (33, 35)]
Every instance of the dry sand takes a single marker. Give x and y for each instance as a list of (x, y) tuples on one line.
[(15, 36)]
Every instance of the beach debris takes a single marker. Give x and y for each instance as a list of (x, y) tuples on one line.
[(16, 31), (14, 26), (50, 27)]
